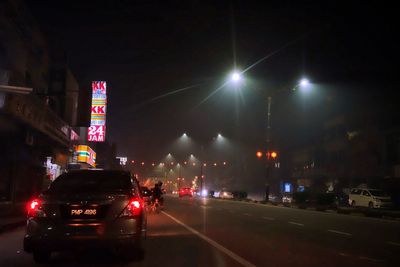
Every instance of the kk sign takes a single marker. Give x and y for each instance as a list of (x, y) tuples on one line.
[(97, 129)]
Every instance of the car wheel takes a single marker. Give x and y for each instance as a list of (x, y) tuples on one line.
[(41, 256), (353, 203), (370, 205)]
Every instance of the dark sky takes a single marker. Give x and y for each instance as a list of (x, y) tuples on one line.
[(147, 48)]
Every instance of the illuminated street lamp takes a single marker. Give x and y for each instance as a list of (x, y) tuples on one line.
[(304, 85), (304, 82), (236, 76)]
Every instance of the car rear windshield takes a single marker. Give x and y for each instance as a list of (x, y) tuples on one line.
[(92, 181), (378, 193)]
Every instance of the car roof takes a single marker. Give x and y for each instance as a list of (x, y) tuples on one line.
[(100, 170)]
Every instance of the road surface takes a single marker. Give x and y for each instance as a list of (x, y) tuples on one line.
[(204, 232)]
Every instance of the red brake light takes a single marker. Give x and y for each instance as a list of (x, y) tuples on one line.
[(136, 204), (134, 208), (34, 209), (34, 204)]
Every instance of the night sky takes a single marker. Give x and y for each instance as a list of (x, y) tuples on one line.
[(146, 48)]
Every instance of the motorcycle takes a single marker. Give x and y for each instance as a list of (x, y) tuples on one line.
[(155, 206)]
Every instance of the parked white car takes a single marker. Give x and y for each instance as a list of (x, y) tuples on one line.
[(371, 198)]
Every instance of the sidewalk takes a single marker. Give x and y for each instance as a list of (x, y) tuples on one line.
[(12, 215)]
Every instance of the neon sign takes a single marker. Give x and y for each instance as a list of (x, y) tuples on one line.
[(97, 129)]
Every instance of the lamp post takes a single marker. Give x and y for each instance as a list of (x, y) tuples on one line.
[(304, 86)]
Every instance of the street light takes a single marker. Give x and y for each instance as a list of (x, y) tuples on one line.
[(236, 76), (304, 82)]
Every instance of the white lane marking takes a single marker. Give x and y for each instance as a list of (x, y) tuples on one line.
[(269, 218), (213, 243), (343, 254), (339, 232), (295, 223), (393, 243), (370, 259), (247, 214)]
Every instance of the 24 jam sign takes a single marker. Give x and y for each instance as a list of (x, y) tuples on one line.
[(97, 133), (97, 129)]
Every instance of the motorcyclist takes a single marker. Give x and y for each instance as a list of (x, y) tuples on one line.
[(157, 193)]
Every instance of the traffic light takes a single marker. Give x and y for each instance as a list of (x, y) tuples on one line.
[(271, 154)]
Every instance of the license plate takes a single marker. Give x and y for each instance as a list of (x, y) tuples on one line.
[(87, 212)]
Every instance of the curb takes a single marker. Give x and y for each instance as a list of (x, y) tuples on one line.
[(356, 213)]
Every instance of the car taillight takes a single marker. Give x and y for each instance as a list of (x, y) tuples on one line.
[(134, 208), (34, 209)]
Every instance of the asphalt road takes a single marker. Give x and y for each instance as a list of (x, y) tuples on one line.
[(197, 232)]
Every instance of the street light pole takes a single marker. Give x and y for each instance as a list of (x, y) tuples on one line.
[(268, 148), (201, 177)]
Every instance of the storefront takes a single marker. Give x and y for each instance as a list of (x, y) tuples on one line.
[(84, 158)]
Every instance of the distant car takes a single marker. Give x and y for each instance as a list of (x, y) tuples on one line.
[(226, 195), (186, 191), (273, 198), (287, 199), (86, 208), (371, 198), (146, 194)]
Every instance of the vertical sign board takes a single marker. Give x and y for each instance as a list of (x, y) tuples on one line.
[(97, 129)]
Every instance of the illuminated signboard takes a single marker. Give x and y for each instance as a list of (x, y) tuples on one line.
[(97, 129), (86, 155)]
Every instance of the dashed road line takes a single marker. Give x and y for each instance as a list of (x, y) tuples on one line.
[(247, 214), (340, 232), (370, 259), (296, 223), (213, 243), (269, 218), (393, 243)]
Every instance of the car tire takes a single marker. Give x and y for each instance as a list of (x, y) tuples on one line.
[(41, 256), (353, 203), (370, 205)]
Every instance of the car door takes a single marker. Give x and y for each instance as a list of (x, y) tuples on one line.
[(366, 198), (355, 195)]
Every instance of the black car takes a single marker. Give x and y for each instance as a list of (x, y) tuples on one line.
[(87, 208)]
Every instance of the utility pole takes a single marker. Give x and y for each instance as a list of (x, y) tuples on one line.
[(268, 144), (201, 177)]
